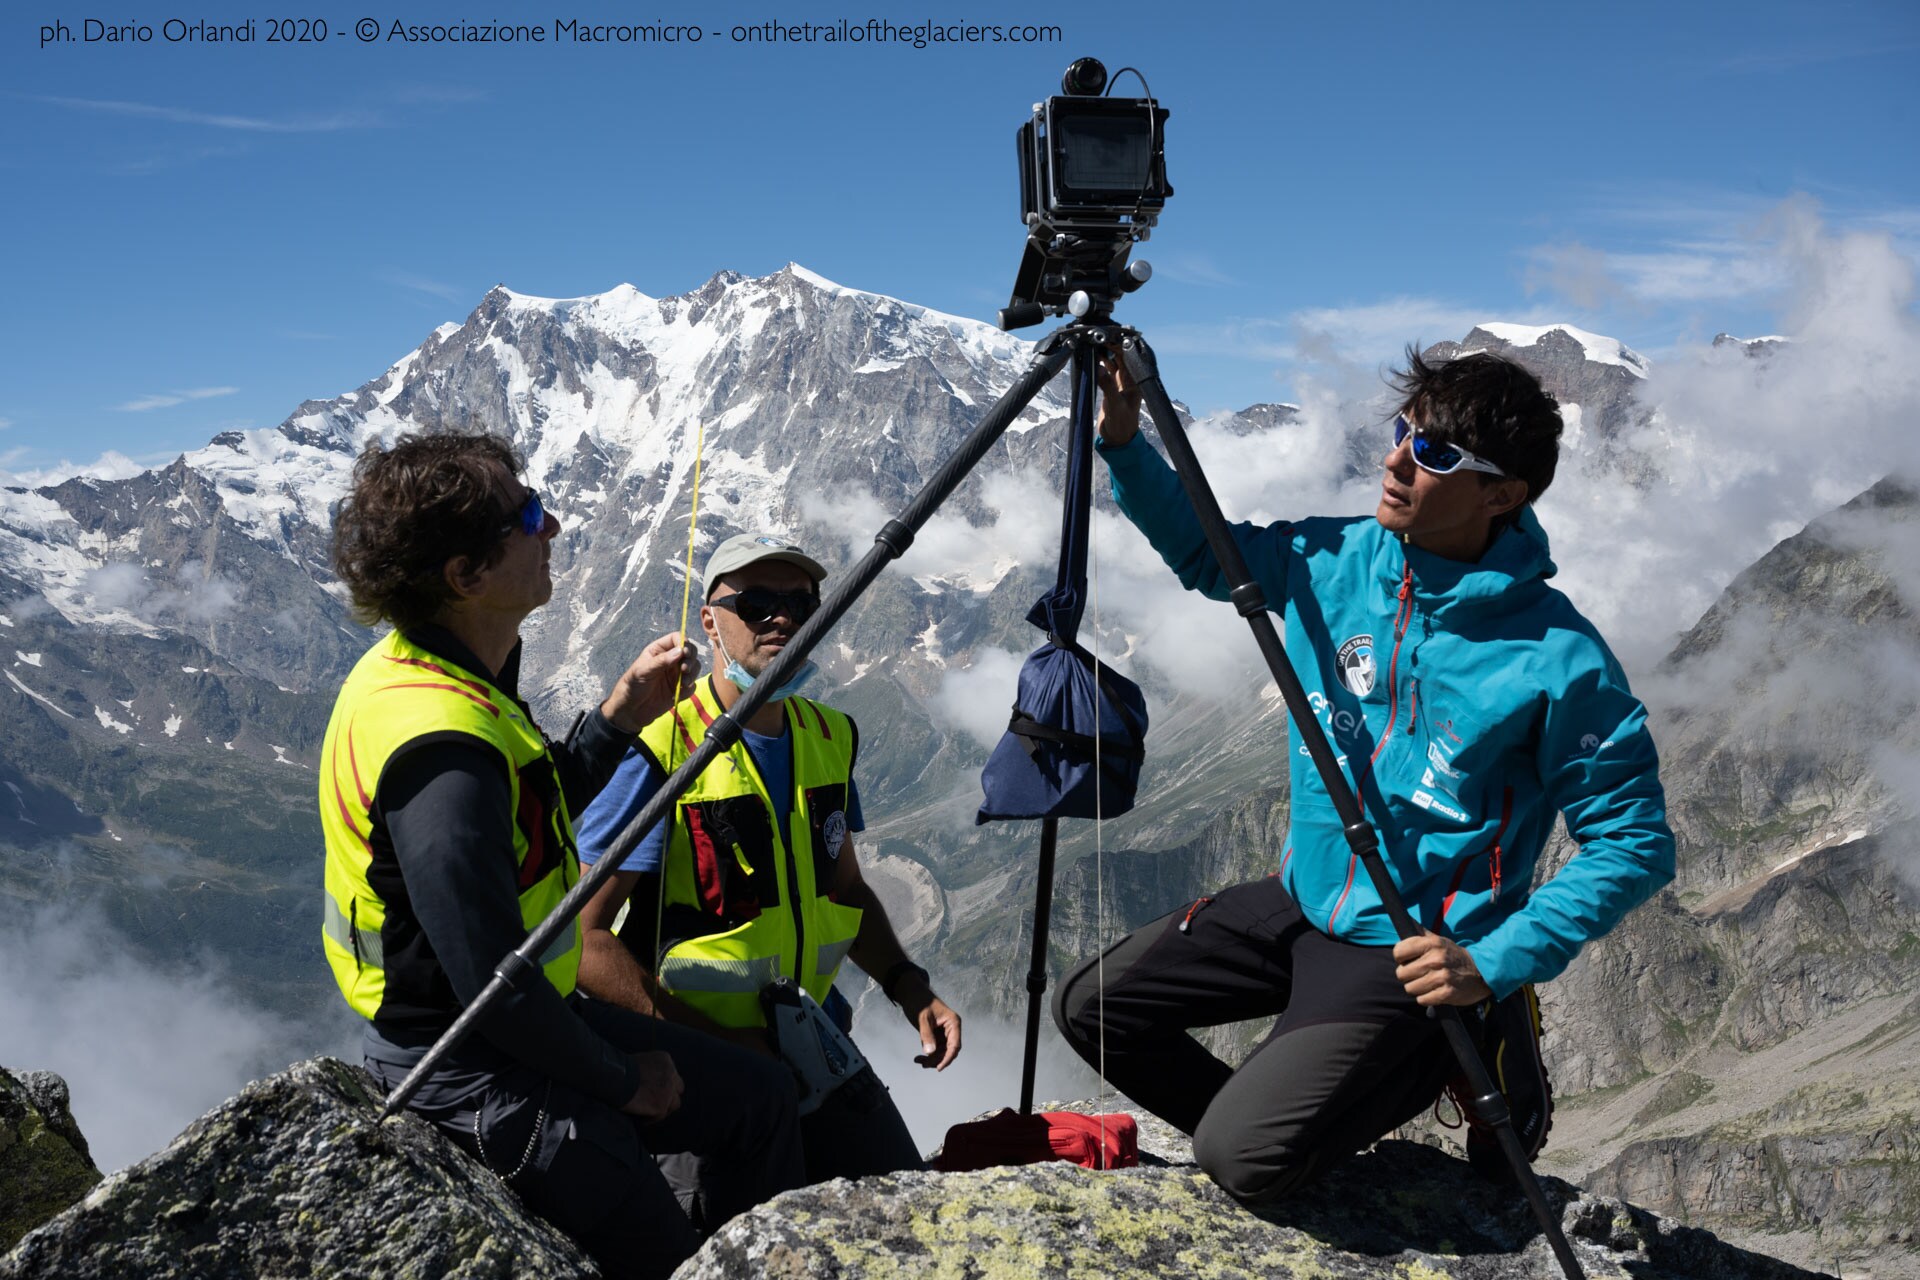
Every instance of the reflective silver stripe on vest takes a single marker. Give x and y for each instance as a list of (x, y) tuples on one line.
[(831, 955), (363, 943), (561, 944), (691, 974)]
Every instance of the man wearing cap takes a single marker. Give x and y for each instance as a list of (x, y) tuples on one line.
[(760, 877)]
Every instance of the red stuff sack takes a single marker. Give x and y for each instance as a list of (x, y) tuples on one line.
[(1006, 1137)]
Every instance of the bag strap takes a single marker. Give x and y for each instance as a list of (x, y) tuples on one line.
[(1025, 726)]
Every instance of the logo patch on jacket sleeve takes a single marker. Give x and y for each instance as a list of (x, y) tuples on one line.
[(1355, 664), (833, 833)]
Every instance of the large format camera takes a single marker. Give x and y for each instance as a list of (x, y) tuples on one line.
[(1093, 180)]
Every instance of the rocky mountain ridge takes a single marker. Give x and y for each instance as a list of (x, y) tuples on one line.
[(296, 1176)]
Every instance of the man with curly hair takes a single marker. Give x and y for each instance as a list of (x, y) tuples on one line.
[(448, 832), (1470, 704)]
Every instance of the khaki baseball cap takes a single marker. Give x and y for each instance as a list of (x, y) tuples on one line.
[(744, 549)]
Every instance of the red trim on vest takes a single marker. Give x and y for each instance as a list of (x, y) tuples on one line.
[(346, 816), (451, 688), (437, 670), (353, 767)]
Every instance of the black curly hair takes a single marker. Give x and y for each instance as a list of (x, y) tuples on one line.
[(1488, 405), (413, 508)]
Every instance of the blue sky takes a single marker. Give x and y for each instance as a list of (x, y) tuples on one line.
[(199, 237)]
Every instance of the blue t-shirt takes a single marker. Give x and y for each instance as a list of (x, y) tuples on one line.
[(636, 780)]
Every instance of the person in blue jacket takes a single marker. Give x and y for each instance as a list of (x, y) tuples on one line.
[(1469, 703)]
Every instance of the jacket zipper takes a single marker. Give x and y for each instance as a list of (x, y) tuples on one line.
[(1493, 858), (1401, 617)]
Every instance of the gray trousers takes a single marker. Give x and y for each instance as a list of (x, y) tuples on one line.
[(1351, 1057)]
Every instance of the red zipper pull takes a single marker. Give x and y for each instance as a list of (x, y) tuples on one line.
[(1186, 921)]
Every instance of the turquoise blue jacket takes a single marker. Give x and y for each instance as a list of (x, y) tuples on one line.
[(1469, 703)]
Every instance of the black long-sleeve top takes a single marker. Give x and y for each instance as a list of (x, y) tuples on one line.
[(446, 807)]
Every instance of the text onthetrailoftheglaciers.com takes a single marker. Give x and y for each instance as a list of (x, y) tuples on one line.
[(295, 31)]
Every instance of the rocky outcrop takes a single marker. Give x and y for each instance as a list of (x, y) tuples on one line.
[(44, 1163), (1403, 1210), (295, 1176), (1829, 1170)]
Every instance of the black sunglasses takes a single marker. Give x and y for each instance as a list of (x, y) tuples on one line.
[(756, 606)]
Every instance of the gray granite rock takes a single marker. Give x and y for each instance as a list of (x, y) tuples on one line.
[(296, 1177), (44, 1165), (1402, 1210)]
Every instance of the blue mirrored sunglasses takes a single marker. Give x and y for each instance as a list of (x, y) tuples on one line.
[(1436, 455), (531, 519)]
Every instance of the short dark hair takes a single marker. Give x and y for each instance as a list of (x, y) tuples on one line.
[(1490, 406), (413, 508)]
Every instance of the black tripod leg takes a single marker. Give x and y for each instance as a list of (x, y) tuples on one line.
[(1250, 600), (521, 966), (1037, 969)]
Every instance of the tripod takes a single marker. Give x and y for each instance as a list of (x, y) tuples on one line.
[(1079, 340)]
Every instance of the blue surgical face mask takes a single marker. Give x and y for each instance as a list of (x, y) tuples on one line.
[(742, 679)]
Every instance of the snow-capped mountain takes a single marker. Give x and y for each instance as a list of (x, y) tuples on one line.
[(809, 408), (188, 613)]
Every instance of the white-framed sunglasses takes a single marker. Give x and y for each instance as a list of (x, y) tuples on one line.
[(1439, 456)]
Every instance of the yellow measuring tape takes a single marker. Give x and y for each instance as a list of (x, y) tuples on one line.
[(679, 693)]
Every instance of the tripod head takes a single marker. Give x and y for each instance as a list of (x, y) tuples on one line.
[(1093, 180)]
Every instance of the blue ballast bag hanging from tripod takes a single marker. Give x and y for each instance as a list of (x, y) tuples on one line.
[(1044, 765)]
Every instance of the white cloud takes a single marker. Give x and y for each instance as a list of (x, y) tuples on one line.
[(985, 1077), (198, 595), (73, 999), (432, 288), (217, 120), (975, 698), (111, 465), (5, 423), (169, 399), (1367, 332), (1193, 268), (1748, 450)]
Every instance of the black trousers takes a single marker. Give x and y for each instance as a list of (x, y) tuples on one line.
[(1351, 1056), (857, 1132), (588, 1168)]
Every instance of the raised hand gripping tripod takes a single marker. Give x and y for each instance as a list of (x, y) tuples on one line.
[(1080, 340)]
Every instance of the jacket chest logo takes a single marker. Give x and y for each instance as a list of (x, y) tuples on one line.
[(1354, 662)]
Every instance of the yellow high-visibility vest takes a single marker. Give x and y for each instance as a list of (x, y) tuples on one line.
[(398, 694), (746, 903)]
